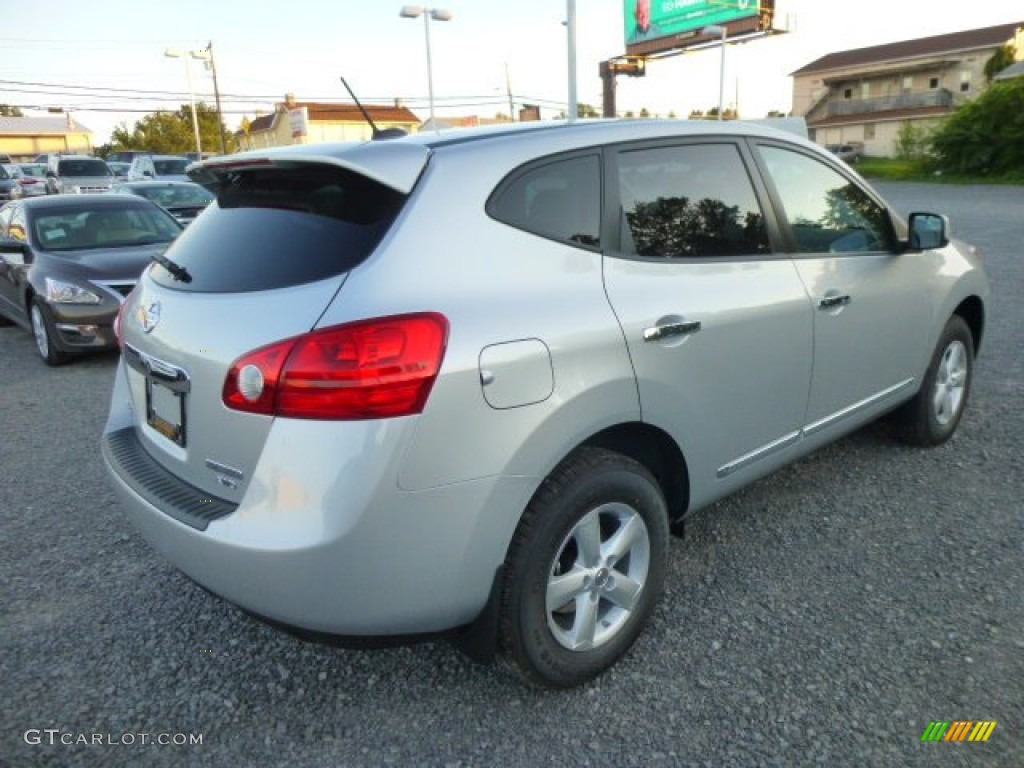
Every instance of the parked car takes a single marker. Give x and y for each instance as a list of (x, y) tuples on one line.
[(158, 167), (850, 153), (184, 200), (31, 180), (126, 155), (77, 174), (8, 182), (468, 383), (119, 168), (67, 262)]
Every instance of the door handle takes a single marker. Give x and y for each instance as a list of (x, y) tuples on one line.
[(668, 330), (831, 302)]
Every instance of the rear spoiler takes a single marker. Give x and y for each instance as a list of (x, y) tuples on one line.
[(394, 164)]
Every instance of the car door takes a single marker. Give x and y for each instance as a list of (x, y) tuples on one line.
[(871, 314), (12, 263), (718, 326)]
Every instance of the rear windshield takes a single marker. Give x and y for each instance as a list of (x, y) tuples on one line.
[(275, 228), (171, 166), (83, 167)]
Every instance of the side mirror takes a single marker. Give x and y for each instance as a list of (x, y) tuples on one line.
[(928, 230), (11, 246)]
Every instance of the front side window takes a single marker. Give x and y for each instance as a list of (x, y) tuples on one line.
[(560, 200), (827, 212), (689, 201)]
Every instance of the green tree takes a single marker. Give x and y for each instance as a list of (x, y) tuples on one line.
[(985, 136), (172, 132), (999, 61)]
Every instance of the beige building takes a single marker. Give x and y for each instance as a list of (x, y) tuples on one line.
[(25, 137), (865, 95), (306, 122)]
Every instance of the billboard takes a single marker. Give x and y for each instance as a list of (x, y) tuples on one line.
[(646, 20)]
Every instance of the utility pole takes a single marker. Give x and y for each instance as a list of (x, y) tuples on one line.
[(508, 90), (216, 97)]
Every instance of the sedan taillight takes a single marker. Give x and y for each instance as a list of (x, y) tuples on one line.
[(370, 369)]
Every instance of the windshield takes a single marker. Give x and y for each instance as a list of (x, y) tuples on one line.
[(171, 166), (80, 228), (176, 195), (83, 167)]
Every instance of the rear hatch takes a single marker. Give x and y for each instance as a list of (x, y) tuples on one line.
[(259, 267)]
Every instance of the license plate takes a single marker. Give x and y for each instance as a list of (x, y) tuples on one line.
[(165, 410)]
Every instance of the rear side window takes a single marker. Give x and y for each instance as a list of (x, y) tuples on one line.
[(560, 200), (689, 201), (279, 227)]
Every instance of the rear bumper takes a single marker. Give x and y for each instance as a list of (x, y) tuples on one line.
[(328, 544)]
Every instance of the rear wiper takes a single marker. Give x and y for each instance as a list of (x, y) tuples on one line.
[(177, 271)]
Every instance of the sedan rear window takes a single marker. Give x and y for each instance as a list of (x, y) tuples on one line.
[(279, 227)]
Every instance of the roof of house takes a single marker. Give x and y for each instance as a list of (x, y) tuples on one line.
[(986, 37), (337, 113), (36, 126)]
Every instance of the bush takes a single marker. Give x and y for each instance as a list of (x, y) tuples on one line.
[(985, 136)]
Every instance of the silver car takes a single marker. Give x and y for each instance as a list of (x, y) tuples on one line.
[(469, 383)]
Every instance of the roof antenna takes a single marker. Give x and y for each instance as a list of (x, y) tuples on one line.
[(378, 133)]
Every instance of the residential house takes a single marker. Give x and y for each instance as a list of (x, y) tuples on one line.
[(866, 95), (307, 122)]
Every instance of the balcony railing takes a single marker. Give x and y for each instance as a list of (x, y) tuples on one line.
[(937, 98)]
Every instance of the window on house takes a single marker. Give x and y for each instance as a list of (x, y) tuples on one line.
[(865, 90), (965, 81), (869, 131), (933, 83), (908, 84), (848, 93)]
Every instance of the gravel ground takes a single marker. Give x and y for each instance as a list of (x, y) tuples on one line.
[(823, 616)]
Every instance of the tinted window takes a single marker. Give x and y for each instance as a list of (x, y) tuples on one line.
[(689, 202), (83, 167), (827, 212), (276, 228), (560, 200), (169, 166)]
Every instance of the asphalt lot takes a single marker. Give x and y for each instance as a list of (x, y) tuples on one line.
[(824, 616)]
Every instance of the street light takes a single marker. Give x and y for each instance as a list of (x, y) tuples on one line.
[(175, 53), (711, 30), (437, 14)]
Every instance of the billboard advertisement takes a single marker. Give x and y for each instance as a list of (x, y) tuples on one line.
[(655, 19)]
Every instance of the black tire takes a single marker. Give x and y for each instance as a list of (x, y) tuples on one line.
[(933, 415), (43, 334), (574, 517)]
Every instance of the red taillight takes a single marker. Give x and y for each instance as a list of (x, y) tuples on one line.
[(371, 369)]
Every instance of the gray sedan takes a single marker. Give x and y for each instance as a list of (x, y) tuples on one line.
[(67, 262)]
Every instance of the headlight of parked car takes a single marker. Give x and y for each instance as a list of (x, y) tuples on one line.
[(60, 292)]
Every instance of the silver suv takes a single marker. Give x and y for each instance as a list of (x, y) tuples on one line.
[(77, 174), (468, 383)]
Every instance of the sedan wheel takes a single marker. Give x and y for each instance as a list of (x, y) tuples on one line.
[(41, 330), (584, 570)]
